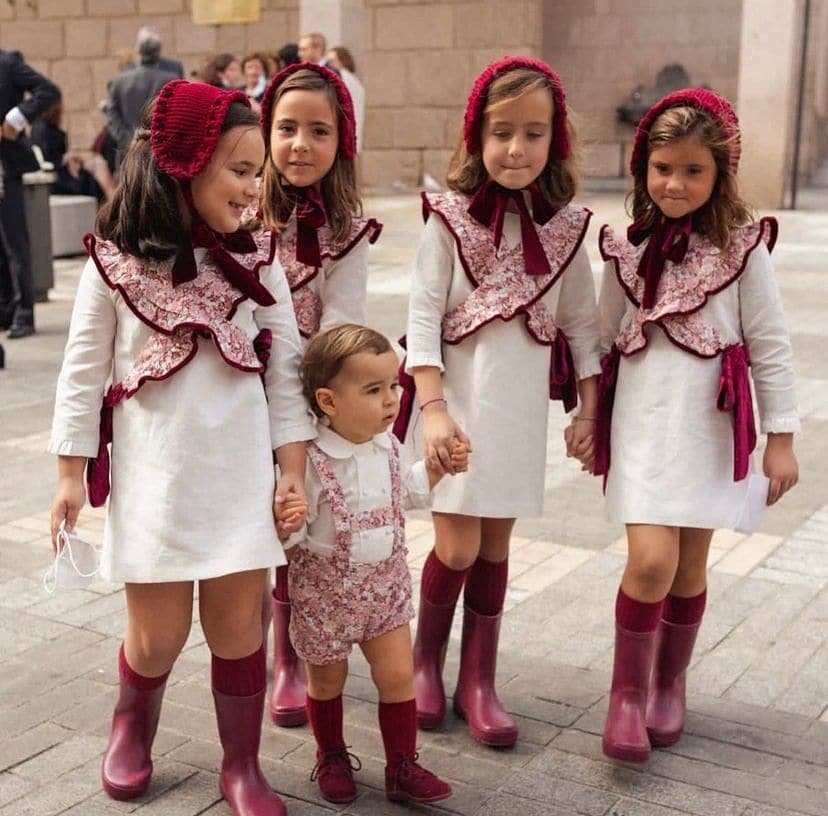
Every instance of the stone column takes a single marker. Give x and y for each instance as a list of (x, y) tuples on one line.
[(341, 21), (768, 85)]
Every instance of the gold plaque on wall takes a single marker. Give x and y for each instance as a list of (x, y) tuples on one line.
[(214, 12)]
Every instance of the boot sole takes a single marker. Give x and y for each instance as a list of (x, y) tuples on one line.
[(404, 798), (493, 740), (123, 794), (289, 717), (663, 739), (428, 722), (626, 753), (342, 800)]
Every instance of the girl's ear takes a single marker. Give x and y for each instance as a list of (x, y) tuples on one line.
[(326, 401)]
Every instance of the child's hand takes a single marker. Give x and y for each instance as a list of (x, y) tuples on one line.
[(70, 495), (440, 434), (460, 457), (780, 465), (290, 505), (580, 442)]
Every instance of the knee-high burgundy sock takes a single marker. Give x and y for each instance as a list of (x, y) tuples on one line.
[(440, 584), (326, 723), (398, 726), (242, 677), (280, 591), (636, 616), (684, 611), (138, 681), (486, 586)]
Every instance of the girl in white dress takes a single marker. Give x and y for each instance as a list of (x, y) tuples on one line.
[(309, 195), (502, 317), (688, 302), (178, 309)]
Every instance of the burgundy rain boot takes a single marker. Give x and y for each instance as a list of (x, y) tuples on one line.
[(241, 781), (287, 700), (625, 734), (126, 769), (433, 628), (667, 702), (475, 699)]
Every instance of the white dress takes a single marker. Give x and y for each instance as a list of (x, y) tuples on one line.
[(496, 381), (671, 448), (191, 464)]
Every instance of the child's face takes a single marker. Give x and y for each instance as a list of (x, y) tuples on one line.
[(516, 139), (304, 137), (228, 184), (362, 400), (681, 176)]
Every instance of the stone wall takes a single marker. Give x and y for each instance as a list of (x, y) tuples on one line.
[(603, 49), (419, 62), (76, 43)]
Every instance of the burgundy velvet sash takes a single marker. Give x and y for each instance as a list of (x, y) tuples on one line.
[(734, 396), (97, 469), (606, 397)]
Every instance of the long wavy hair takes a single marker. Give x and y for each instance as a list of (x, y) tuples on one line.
[(144, 217), (558, 181), (725, 209), (338, 187)]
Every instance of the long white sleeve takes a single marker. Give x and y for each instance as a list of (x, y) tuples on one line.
[(288, 409), (343, 288), (87, 366), (577, 315), (430, 284), (612, 303), (766, 333)]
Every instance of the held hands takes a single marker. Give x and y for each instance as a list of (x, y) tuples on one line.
[(290, 506), (780, 465), (445, 445), (580, 441)]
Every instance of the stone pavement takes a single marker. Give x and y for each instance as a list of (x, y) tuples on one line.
[(757, 733)]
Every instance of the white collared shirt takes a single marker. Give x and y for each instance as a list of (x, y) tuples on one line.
[(363, 471)]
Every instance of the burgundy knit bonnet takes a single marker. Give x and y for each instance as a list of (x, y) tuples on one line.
[(347, 120), (186, 125), (473, 121), (717, 107)]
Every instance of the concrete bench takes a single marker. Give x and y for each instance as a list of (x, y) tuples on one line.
[(72, 217)]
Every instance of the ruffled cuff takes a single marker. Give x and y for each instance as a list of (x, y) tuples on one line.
[(781, 424), (61, 446), (413, 361), (419, 490)]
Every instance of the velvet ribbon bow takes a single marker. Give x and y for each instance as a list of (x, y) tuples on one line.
[(488, 207), (220, 245), (669, 239), (310, 217), (734, 397)]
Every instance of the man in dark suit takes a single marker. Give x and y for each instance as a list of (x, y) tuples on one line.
[(16, 79), (131, 89), (149, 33)]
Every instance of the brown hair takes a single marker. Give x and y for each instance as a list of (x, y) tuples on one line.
[(558, 181), (345, 58), (257, 55), (144, 218), (339, 188), (327, 352), (53, 114), (725, 209)]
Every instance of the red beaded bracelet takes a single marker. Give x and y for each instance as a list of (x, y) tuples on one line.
[(436, 399)]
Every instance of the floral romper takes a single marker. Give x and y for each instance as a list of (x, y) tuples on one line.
[(337, 603)]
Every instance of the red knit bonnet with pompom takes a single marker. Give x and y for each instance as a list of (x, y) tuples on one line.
[(347, 121), (717, 107), (186, 125), (473, 121)]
